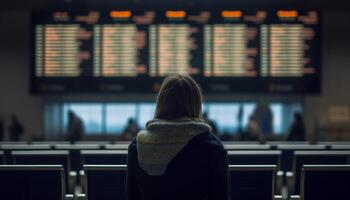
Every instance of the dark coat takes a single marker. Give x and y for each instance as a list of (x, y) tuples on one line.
[(198, 172)]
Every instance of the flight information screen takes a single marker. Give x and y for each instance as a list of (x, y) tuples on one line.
[(132, 51)]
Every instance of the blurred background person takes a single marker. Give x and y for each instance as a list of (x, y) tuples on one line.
[(253, 130), (212, 123), (130, 130), (15, 129), (76, 128), (263, 116), (297, 130)]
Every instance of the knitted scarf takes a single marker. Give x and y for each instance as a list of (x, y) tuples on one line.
[(163, 140)]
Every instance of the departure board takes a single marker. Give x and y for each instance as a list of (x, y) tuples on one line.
[(226, 51)]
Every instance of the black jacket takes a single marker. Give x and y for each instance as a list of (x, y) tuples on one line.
[(198, 172)]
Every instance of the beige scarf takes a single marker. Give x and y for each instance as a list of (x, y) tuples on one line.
[(163, 140)]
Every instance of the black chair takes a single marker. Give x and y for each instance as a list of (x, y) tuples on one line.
[(104, 157), (249, 182), (50, 157), (121, 146), (92, 142), (25, 146), (32, 182), (340, 147), (7, 148), (288, 151), (247, 146), (74, 151), (2, 158), (334, 143), (253, 157), (12, 142), (50, 142), (105, 182), (239, 142), (315, 158), (325, 182), (274, 144)]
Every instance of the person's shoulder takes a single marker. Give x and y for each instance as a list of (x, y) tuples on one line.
[(208, 140)]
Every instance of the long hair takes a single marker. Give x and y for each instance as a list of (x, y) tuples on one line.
[(179, 96)]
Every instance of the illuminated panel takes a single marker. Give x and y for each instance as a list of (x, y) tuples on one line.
[(286, 50), (229, 46), (119, 50), (61, 50), (173, 49)]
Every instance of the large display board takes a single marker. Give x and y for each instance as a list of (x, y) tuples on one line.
[(132, 51)]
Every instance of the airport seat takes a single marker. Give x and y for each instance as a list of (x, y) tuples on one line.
[(77, 146), (314, 158), (52, 143), (274, 144), (240, 142), (32, 182), (288, 151), (48, 157), (249, 182), (263, 157), (92, 142), (330, 143), (119, 146), (74, 151), (325, 182), (105, 182), (12, 142), (254, 157), (340, 147), (104, 157), (7, 148), (247, 147), (25, 146)]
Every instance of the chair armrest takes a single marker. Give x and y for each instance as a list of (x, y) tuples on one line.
[(82, 180), (69, 197), (295, 197), (277, 197), (290, 182), (72, 181), (279, 181), (81, 197), (289, 174)]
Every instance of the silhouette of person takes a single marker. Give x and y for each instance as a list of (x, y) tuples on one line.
[(75, 127), (15, 129), (253, 130), (211, 123), (130, 130), (297, 131), (263, 116)]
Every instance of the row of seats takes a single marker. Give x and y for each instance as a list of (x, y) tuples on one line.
[(105, 182), (237, 157)]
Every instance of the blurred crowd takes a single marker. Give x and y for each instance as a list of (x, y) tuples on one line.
[(259, 127)]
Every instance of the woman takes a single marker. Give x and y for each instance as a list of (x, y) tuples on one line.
[(177, 157)]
